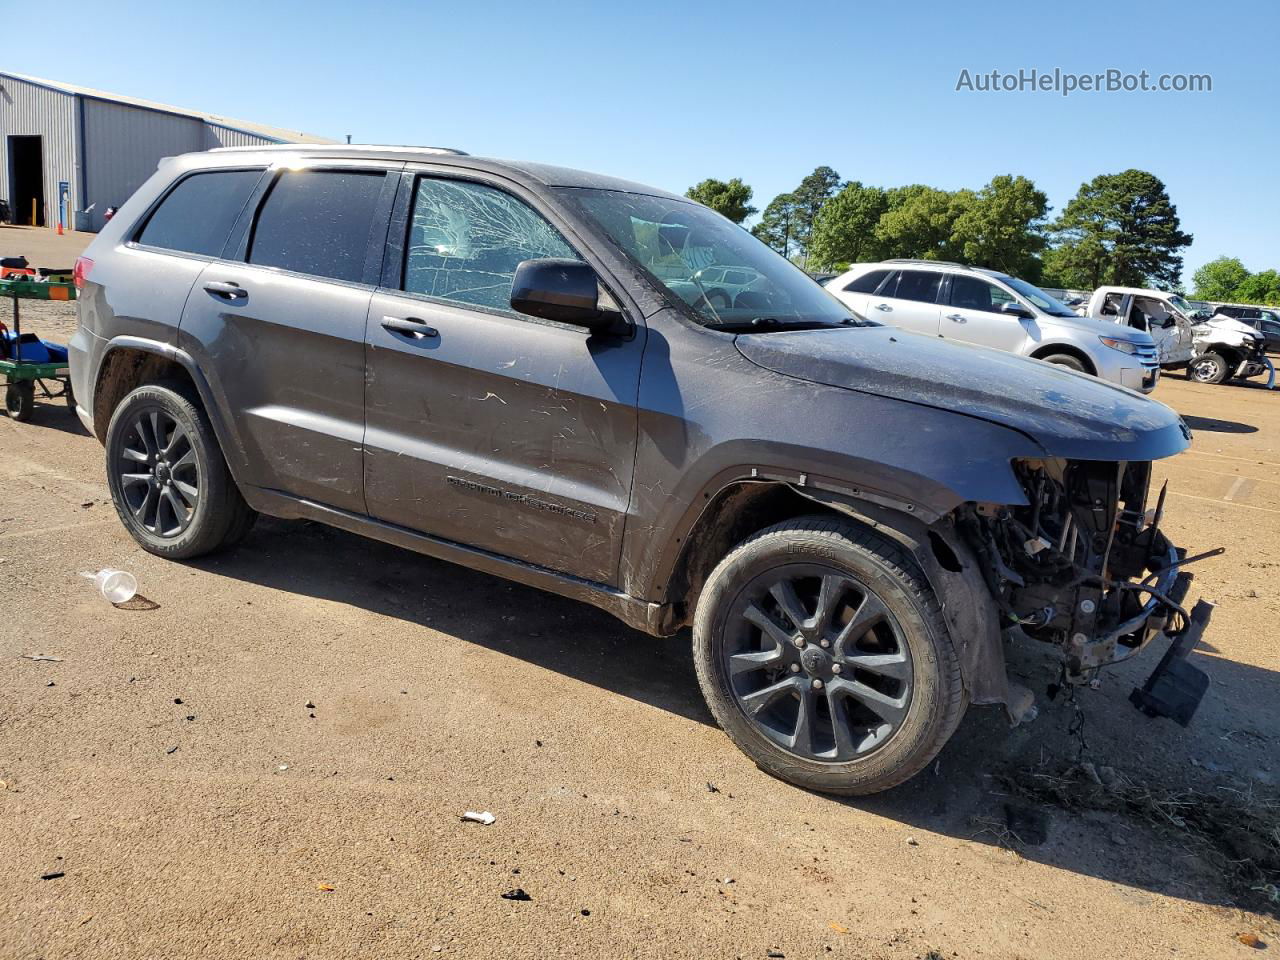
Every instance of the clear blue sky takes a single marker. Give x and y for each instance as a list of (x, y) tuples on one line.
[(668, 93)]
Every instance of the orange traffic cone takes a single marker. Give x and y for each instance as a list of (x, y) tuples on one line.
[(59, 228)]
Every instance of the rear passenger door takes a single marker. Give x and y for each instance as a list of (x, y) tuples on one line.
[(488, 427), (973, 314), (167, 251), (280, 321), (908, 299)]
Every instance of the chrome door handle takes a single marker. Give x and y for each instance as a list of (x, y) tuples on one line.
[(414, 328), (957, 318), (228, 291), (883, 306)]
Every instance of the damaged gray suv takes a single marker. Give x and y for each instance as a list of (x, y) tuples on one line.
[(522, 369)]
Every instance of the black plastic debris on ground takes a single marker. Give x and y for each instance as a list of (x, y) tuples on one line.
[(516, 894)]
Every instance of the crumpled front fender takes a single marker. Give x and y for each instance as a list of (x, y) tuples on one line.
[(953, 571)]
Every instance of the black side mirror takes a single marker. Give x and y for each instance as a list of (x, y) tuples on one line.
[(1017, 310), (567, 291)]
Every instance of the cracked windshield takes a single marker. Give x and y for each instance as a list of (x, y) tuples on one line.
[(725, 275)]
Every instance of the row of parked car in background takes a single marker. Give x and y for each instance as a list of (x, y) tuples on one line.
[(1126, 335)]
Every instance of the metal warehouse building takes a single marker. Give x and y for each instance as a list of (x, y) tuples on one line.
[(69, 152)]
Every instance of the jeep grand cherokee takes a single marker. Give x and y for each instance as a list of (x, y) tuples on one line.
[(520, 368)]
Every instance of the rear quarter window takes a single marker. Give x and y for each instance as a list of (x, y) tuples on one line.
[(197, 215), (867, 282)]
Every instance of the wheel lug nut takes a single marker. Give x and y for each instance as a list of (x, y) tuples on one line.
[(798, 641), (795, 668), (817, 684), (836, 668), (825, 642)]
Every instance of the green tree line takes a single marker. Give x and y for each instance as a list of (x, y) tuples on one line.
[(1226, 280), (1120, 228)]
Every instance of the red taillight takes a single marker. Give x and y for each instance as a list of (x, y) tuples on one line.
[(81, 272)]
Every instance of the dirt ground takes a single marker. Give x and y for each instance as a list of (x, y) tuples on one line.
[(269, 759), (41, 246)]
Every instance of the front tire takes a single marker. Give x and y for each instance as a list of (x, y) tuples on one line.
[(1066, 360), (822, 653), (1208, 368), (168, 479)]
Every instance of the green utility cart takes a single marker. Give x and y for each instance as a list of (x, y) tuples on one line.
[(26, 361)]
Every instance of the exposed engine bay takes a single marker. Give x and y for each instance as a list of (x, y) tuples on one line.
[(1085, 566)]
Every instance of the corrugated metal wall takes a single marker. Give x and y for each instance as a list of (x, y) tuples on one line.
[(219, 136), (118, 145), (27, 109), (123, 144)]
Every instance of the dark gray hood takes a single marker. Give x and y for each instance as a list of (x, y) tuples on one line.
[(1071, 415)]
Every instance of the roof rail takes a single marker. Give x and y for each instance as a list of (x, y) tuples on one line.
[(340, 148), (939, 263)]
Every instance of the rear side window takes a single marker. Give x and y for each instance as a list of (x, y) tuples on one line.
[(919, 285), (466, 240), (198, 214), (317, 222), (866, 283)]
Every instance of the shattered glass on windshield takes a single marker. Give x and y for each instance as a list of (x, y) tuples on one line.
[(467, 239), (727, 277)]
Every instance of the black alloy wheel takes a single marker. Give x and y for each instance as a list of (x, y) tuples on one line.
[(817, 663)]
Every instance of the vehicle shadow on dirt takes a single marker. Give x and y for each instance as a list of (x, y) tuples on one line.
[(1214, 425), (1017, 790), (54, 414)]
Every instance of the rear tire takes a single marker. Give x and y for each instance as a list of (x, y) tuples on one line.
[(1208, 368), (20, 400), (167, 476), (1066, 360), (822, 653)]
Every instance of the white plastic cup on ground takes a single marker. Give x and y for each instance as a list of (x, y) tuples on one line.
[(116, 586)]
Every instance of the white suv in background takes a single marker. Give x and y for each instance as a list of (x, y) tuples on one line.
[(993, 309)]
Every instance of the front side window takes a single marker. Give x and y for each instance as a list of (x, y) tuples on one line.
[(317, 222), (466, 240), (198, 214), (970, 293)]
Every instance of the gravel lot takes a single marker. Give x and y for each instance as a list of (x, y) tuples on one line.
[(269, 759)]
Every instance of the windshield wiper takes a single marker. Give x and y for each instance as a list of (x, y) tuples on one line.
[(766, 324)]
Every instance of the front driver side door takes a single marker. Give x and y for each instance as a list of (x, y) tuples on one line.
[(973, 314), (484, 426)]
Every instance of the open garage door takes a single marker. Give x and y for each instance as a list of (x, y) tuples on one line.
[(26, 180)]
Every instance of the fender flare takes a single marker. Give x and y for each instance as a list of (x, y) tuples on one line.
[(967, 608), (228, 438)]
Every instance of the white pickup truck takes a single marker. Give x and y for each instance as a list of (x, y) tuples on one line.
[(1213, 349)]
